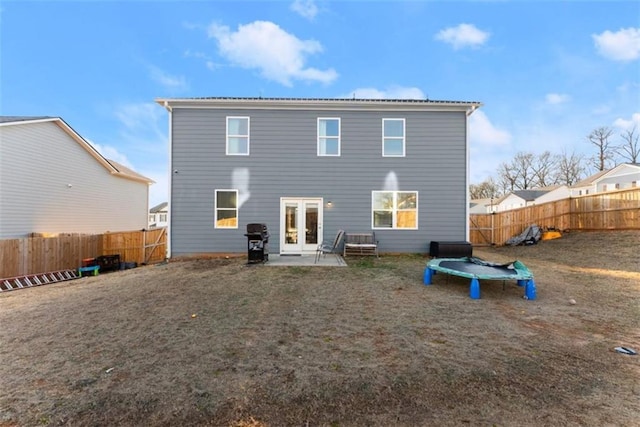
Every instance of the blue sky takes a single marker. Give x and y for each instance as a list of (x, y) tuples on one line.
[(548, 73)]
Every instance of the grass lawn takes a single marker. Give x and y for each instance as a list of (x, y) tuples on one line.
[(218, 342)]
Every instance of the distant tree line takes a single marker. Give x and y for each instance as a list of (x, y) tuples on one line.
[(527, 170)]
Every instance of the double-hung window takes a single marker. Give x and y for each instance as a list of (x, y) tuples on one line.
[(394, 209), (393, 138), (226, 209), (237, 136), (328, 136)]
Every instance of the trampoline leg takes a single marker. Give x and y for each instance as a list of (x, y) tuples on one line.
[(474, 291), (428, 273), (530, 290), (522, 282)]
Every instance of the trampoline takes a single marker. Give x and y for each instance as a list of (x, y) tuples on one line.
[(477, 269)]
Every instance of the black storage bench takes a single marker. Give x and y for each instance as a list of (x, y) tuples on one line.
[(450, 249), (109, 262)]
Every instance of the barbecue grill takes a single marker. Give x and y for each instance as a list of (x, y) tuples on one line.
[(257, 243)]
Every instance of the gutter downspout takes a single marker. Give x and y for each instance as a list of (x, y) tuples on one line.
[(170, 110), (467, 231)]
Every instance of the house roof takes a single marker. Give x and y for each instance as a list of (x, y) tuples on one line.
[(113, 167), (159, 207), (593, 179), (13, 119), (319, 103), (123, 170), (533, 193), (590, 179)]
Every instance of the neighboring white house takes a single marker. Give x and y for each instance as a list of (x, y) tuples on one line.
[(481, 206), (520, 198), (508, 202), (158, 215), (53, 181), (625, 175)]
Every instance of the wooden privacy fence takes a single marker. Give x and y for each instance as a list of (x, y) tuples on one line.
[(33, 255), (616, 210)]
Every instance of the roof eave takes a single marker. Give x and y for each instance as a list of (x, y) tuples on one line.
[(320, 104)]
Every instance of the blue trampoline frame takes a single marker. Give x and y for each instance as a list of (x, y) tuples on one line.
[(482, 270)]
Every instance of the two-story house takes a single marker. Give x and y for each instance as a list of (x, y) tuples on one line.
[(158, 215), (54, 181), (623, 176), (310, 167)]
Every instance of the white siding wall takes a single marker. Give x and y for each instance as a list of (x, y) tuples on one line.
[(38, 161), (557, 194), (512, 201)]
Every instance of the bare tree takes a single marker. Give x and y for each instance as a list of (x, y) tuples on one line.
[(485, 190), (507, 177), (519, 173), (569, 168), (526, 174), (600, 138), (630, 147), (543, 167)]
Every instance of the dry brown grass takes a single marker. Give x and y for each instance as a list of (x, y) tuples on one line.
[(364, 345)]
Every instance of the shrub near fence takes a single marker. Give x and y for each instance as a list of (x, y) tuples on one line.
[(616, 210), (33, 255)]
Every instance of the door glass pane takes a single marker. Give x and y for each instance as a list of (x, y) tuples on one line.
[(291, 223), (311, 223)]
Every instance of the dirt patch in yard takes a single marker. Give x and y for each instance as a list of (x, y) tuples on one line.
[(218, 342)]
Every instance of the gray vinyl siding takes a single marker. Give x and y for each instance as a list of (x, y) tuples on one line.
[(38, 161), (284, 163)]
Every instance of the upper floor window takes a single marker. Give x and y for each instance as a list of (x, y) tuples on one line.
[(634, 184), (393, 137), (238, 136), (226, 209), (163, 217), (328, 137), (395, 209)]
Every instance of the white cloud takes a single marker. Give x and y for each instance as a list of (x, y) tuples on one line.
[(484, 133), (625, 124), (141, 119), (557, 98), (464, 35), (393, 92), (265, 46), (623, 45), (112, 153), (143, 133), (168, 81), (206, 59), (305, 8)]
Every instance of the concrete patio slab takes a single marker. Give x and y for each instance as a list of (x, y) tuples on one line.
[(330, 260)]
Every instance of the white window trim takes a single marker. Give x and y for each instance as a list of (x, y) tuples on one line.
[(394, 210), (248, 136), (403, 138), (325, 136), (215, 209)]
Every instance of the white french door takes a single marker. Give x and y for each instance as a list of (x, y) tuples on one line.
[(300, 225)]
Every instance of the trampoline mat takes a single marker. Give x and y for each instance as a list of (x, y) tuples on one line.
[(473, 267), (477, 269)]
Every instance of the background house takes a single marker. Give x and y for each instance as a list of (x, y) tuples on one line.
[(625, 175), (54, 181), (158, 215), (521, 198), (310, 167)]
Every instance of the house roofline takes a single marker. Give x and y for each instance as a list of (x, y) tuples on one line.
[(320, 104), (108, 165)]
